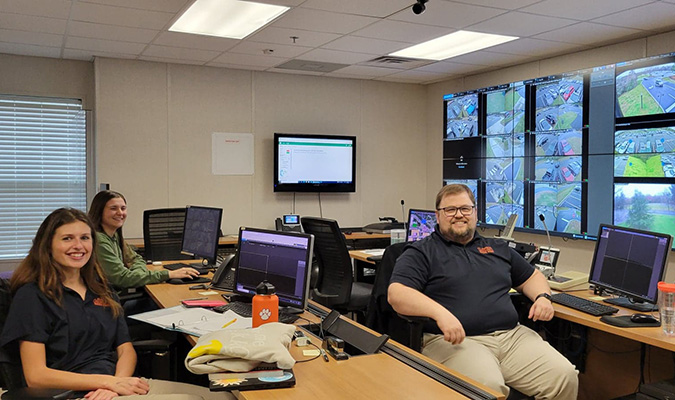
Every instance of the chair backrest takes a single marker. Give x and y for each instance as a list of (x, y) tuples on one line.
[(334, 285), (11, 374), (163, 234), (380, 316)]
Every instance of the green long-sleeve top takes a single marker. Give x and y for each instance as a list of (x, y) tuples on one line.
[(110, 258)]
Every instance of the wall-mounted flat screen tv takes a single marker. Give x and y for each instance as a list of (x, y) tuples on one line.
[(314, 163)]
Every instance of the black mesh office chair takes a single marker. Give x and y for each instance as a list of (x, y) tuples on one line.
[(163, 234), (335, 288)]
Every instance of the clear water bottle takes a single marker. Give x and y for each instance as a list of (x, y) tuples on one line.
[(265, 305), (667, 307)]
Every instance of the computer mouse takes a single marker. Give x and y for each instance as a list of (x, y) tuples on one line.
[(642, 318)]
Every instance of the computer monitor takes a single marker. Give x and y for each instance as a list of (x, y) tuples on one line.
[(284, 259), (630, 262), (421, 224), (200, 232)]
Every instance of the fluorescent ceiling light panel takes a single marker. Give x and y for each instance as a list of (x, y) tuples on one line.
[(453, 45), (226, 18)]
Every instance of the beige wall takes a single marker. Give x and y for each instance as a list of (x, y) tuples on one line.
[(154, 126), (575, 254)]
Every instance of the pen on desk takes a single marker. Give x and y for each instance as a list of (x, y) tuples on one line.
[(325, 356), (196, 298), (229, 323)]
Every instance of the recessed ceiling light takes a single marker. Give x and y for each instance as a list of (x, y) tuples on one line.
[(453, 45), (226, 18)]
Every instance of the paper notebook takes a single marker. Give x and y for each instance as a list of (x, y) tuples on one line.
[(194, 321)]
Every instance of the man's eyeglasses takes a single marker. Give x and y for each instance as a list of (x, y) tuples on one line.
[(452, 211)]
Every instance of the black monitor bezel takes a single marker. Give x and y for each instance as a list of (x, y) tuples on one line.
[(622, 291), (310, 254), (211, 258), (316, 187)]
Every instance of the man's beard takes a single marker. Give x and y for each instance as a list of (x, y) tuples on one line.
[(460, 237)]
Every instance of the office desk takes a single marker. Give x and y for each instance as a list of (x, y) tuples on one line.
[(361, 377), (612, 357), (360, 255)]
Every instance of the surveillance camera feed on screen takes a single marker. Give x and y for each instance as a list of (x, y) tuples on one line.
[(568, 147)]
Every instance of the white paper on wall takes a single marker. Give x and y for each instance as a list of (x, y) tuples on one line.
[(231, 153)]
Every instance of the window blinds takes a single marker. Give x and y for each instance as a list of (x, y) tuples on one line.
[(43, 165)]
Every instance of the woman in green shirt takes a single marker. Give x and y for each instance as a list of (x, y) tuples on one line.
[(123, 266)]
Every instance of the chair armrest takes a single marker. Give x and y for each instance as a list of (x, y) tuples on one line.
[(152, 345), (415, 328), (38, 394)]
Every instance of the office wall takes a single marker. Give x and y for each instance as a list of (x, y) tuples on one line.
[(154, 126), (575, 254)]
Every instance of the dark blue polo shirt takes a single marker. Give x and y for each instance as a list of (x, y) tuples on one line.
[(471, 281), (80, 337)]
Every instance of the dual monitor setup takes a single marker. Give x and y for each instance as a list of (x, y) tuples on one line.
[(279, 257)]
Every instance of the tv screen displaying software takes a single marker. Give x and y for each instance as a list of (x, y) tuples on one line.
[(629, 262), (314, 163), (284, 259), (200, 232)]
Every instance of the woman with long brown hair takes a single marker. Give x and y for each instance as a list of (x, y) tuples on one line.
[(68, 326)]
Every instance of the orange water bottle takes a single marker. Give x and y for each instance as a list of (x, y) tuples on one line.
[(265, 304)]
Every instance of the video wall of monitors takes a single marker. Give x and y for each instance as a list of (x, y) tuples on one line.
[(580, 149)]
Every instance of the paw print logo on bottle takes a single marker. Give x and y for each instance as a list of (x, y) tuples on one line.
[(265, 314), (265, 304)]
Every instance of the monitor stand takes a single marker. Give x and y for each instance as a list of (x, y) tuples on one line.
[(291, 310), (627, 303)]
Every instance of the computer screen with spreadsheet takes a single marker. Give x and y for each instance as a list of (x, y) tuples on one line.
[(630, 262), (421, 224), (284, 259)]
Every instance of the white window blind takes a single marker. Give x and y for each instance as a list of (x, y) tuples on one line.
[(43, 165)]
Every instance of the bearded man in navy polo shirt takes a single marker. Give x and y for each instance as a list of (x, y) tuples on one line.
[(461, 281)]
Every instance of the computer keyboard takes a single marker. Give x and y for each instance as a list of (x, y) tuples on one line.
[(585, 305), (245, 310), (199, 267)]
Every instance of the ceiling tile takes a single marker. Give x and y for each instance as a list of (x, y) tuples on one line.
[(582, 10), (170, 60), (34, 38), (88, 55), (237, 66), (361, 70), (172, 6), (535, 47), (249, 59), (294, 72), (365, 45), (504, 4), (488, 58), (44, 8), (322, 21), (654, 16), (520, 24), (336, 56), (122, 33), (30, 50), (180, 53), (273, 34), (177, 39), (278, 50), (32, 23), (89, 12), (449, 15), (371, 8), (414, 76), (588, 33), (452, 68), (108, 46), (402, 31), (286, 3)]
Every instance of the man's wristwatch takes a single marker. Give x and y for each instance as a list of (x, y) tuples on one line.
[(546, 295)]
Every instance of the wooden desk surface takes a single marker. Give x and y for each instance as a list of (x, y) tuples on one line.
[(650, 335), (231, 240), (360, 255), (361, 377)]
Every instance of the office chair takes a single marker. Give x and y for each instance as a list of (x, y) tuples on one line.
[(335, 287), (163, 234)]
